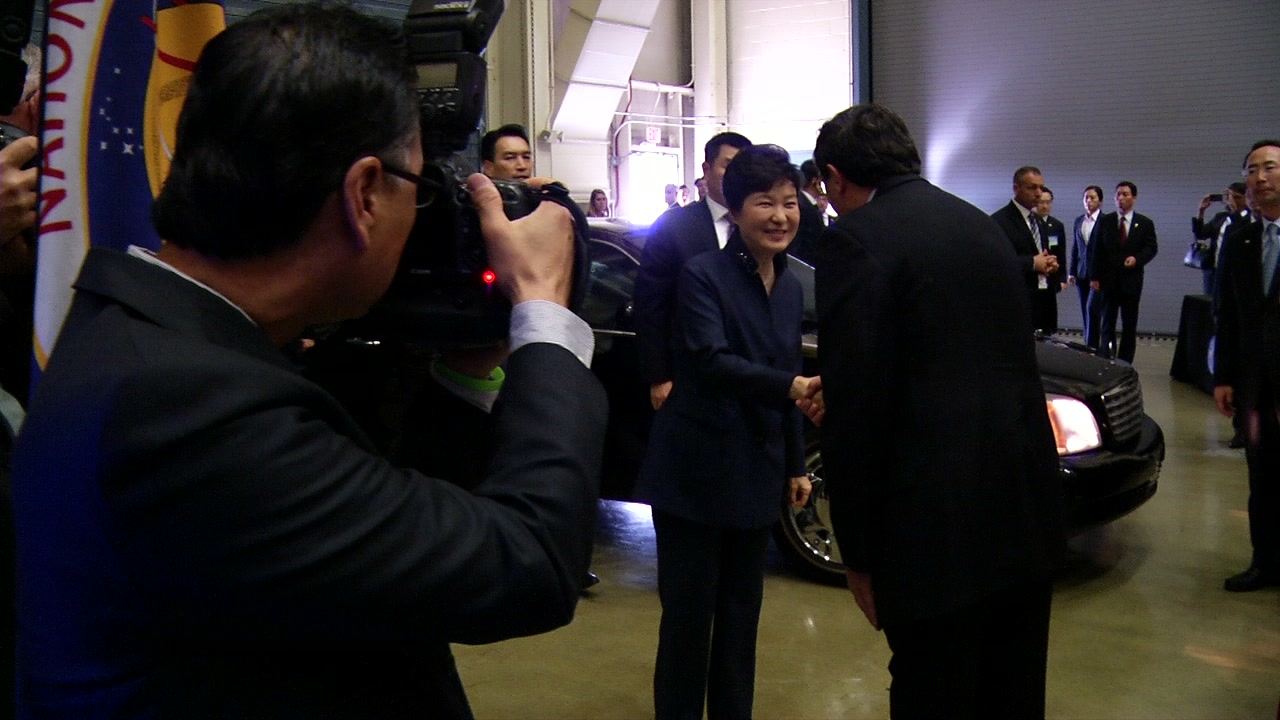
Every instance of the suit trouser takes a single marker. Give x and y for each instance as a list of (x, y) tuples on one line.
[(986, 661), (1088, 322), (711, 584), (1262, 452), (1044, 310), (1126, 306)]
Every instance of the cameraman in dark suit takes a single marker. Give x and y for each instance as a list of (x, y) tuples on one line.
[(680, 234), (18, 189), (202, 532), (940, 466), (1126, 242)]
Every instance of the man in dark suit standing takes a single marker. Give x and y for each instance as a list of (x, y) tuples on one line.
[(680, 234), (1040, 265), (946, 506), (1247, 356), (203, 532), (813, 214), (1126, 242), (1056, 240), (1083, 232)]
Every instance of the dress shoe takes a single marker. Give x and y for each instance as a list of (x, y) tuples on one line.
[(1250, 580), (591, 580), (1237, 442)]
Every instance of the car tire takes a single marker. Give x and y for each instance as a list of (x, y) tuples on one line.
[(804, 534)]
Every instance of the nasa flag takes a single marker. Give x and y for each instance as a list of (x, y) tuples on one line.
[(116, 75)]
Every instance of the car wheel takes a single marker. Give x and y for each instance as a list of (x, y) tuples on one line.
[(804, 534)]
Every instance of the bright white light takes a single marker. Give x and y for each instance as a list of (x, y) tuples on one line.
[(1074, 427), (647, 174)]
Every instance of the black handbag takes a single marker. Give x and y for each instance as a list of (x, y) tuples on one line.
[(1196, 256)]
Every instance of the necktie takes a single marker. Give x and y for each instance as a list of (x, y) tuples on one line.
[(1270, 254), (1035, 230), (1124, 232)]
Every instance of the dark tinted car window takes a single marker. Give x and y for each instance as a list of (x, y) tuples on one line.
[(613, 280)]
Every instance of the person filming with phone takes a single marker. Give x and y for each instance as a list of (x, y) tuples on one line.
[(1207, 246)]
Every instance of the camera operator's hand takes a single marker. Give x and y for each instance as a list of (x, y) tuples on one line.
[(532, 256), (17, 188)]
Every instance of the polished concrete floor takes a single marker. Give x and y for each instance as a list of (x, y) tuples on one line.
[(1141, 627)]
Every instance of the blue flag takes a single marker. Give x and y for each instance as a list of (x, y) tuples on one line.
[(116, 74)]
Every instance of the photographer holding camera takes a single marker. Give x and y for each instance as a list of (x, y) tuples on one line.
[(19, 185), (202, 532)]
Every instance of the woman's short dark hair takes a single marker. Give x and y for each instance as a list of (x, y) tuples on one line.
[(867, 144), (279, 106), (757, 168)]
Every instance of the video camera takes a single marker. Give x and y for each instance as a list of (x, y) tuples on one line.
[(443, 293)]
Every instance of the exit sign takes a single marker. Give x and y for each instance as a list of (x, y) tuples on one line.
[(653, 135)]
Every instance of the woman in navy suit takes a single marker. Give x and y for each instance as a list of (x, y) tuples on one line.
[(727, 445)]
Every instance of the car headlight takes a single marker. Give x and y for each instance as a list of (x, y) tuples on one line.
[(1074, 428)]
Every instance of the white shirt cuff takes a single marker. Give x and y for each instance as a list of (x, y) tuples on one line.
[(545, 321)]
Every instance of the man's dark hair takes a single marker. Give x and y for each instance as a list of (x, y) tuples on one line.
[(1094, 188), (711, 150), (1239, 188), (1044, 190), (867, 144), (809, 170), (1260, 144), (489, 143), (1024, 171), (1132, 188), (279, 106), (756, 169)]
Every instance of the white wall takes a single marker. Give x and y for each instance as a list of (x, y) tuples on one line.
[(790, 68), (1170, 98)]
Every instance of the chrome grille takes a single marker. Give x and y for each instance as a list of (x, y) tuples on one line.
[(1123, 403)]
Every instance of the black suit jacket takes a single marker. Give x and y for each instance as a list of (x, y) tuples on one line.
[(680, 234), (202, 532), (805, 246), (940, 461), (1106, 256), (1080, 249), (728, 437), (1247, 351), (1009, 219)]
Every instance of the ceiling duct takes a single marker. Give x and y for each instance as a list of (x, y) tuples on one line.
[(595, 55)]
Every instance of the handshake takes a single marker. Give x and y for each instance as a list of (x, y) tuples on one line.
[(807, 392)]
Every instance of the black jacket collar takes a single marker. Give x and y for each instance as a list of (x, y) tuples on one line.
[(737, 247)]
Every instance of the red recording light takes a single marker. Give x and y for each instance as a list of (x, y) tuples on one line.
[(488, 277)]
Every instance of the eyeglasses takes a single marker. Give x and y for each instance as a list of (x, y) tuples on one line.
[(428, 189)]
